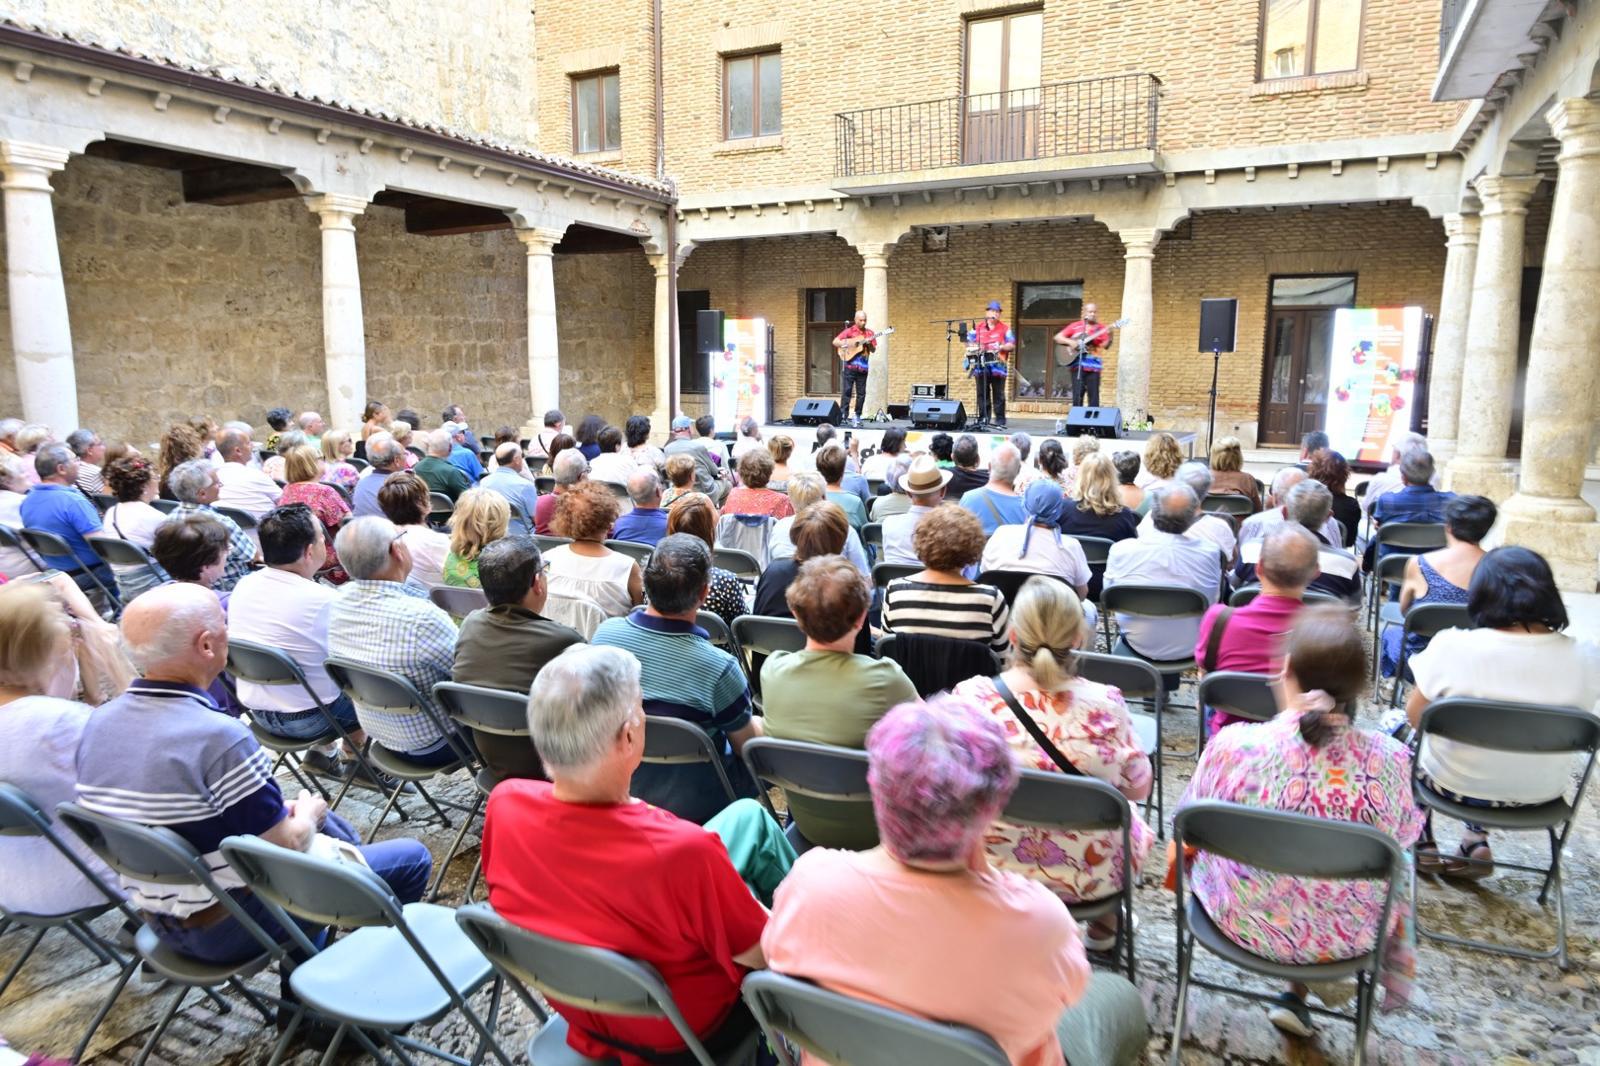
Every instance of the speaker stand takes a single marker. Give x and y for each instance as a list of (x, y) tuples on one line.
[(1211, 417)]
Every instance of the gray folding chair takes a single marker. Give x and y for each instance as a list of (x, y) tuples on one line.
[(883, 573), (457, 601), (1247, 593), (132, 568), (403, 966), (243, 519), (1010, 582), (264, 665), (155, 855), (1295, 845), (1425, 620), (1152, 601), (639, 553), (45, 545), (164, 506), (9, 539), (1136, 680), (440, 508), (1390, 571), (359, 464), (836, 776), (500, 712), (1050, 800), (1227, 503), (590, 978), (1524, 729), (546, 542), (20, 817), (1238, 693), (839, 1028), (755, 634), (674, 742), (1410, 538), (741, 564), (717, 632), (872, 535)]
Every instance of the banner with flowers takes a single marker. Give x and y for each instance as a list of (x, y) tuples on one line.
[(1372, 378), (739, 373)]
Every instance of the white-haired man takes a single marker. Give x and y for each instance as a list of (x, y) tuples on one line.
[(244, 487), (1283, 483), (197, 485), (579, 859), (1168, 558), (570, 468), (1219, 531), (507, 479), (442, 475), (997, 504), (312, 425)]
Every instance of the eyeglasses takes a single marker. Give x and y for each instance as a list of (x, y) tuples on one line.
[(396, 537)]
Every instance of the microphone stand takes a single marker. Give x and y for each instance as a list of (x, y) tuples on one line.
[(1211, 417)]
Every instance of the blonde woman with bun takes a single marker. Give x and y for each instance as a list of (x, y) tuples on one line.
[(1089, 727)]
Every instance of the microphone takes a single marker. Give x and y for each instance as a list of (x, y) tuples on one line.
[(961, 330)]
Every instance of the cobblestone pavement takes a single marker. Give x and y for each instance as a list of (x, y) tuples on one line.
[(1472, 1008)]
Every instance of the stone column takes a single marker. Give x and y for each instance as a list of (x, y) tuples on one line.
[(344, 339), (875, 301), (1450, 341), (664, 264), (1133, 347), (1563, 389), (41, 334), (1489, 371), (544, 349)]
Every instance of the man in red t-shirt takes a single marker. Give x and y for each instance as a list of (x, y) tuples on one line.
[(1093, 338), (578, 859), (998, 342), (853, 375)]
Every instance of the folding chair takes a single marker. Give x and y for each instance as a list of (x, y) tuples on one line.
[(263, 665), (156, 855), (717, 632), (674, 742), (545, 485), (1295, 845), (440, 508), (833, 775), (1058, 801), (741, 564), (47, 545), (1138, 680), (20, 816), (10, 539), (1241, 694), (243, 519), (1382, 612), (590, 978), (1152, 601), (546, 542), (1412, 538), (751, 533), (1525, 729), (132, 567), (1246, 593), (1228, 503), (875, 486), (872, 540), (500, 712), (839, 1028), (359, 464), (639, 553), (934, 664), (1010, 582), (755, 634), (102, 501), (1425, 620), (164, 506), (883, 573), (1096, 550), (457, 601), (380, 694), (403, 966)]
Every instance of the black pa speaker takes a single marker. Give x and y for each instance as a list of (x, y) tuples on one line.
[(708, 331), (1102, 422), (928, 412), (813, 412), (1217, 321)]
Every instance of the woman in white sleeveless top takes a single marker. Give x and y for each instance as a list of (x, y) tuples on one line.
[(586, 568)]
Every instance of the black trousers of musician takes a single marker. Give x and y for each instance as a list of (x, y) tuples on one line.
[(991, 398), (1088, 384), (852, 381)]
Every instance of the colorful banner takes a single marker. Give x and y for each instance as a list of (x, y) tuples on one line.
[(1372, 374), (739, 373)]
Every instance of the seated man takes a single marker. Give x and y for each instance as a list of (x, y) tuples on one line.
[(1255, 527), (161, 755), (967, 474), (1309, 505), (580, 859), (569, 469), (890, 923), (1248, 638), (506, 643), (1416, 500), (508, 481), (1209, 527), (708, 475), (244, 487), (55, 505), (381, 618), (386, 456), (463, 450), (196, 485), (1389, 480), (924, 484), (91, 452), (442, 475), (829, 694), (687, 677), (647, 522), (997, 503), (284, 606), (1166, 557)]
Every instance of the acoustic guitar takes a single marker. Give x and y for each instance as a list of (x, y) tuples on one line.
[(849, 349), (1069, 353)]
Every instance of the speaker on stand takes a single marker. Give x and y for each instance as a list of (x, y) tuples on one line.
[(708, 331), (1218, 320)]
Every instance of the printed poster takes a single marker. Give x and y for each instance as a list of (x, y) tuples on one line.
[(739, 373), (1372, 377)]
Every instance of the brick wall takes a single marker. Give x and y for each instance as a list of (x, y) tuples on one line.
[(1204, 54), (1397, 253), (590, 37), (180, 309)]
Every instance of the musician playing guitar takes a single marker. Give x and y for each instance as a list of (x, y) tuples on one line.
[(1088, 340), (855, 345), (997, 342)]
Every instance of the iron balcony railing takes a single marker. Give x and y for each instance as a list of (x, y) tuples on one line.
[(1115, 114)]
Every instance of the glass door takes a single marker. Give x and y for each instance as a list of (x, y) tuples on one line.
[(1294, 387), (1004, 60)]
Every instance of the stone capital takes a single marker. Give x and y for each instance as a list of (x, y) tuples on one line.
[(1506, 193), (539, 240), (1462, 230), (336, 210), (1576, 124), (1140, 241), (875, 254), (661, 263), (26, 165)]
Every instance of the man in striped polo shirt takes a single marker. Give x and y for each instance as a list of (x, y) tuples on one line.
[(685, 676)]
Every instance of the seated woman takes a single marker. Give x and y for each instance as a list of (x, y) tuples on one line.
[(337, 448), (1131, 495), (680, 476), (780, 447), (1308, 760), (1082, 448), (1517, 653), (1228, 477), (1096, 510), (1441, 576), (1330, 468), (697, 515), (1087, 725), (481, 517), (302, 470), (1036, 546), (132, 480), (273, 465), (404, 501), (754, 496), (1052, 462), (804, 490), (586, 568), (193, 549), (401, 432), (926, 899), (940, 600), (375, 418), (1162, 457)]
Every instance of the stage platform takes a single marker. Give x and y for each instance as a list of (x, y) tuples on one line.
[(1039, 429)]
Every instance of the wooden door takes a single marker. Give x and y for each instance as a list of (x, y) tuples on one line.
[(1295, 383)]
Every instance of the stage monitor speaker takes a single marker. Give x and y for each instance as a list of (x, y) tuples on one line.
[(931, 413), (1217, 321), (1102, 422), (708, 331), (899, 412), (813, 412)]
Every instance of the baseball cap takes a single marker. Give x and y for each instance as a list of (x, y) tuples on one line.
[(682, 422), (994, 305)]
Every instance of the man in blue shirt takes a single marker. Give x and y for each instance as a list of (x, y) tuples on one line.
[(55, 505), (387, 456), (997, 503), (463, 450), (508, 481), (1416, 500), (647, 522)]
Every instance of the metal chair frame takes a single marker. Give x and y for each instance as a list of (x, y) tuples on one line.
[(487, 710), (639, 553), (1146, 601), (737, 561), (452, 598), (1139, 680), (1242, 694), (781, 763), (674, 742), (46, 544), (1414, 537), (1424, 620), (10, 539), (1229, 503), (883, 573)]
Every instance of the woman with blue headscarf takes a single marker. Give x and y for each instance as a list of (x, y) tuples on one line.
[(1036, 546)]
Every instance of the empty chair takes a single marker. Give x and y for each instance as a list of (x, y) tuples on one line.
[(831, 782), (457, 601)]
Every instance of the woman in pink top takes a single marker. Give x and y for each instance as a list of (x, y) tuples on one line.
[(753, 496), (887, 925)]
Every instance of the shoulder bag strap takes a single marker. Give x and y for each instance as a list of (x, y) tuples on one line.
[(988, 502), (1214, 641), (1033, 729)]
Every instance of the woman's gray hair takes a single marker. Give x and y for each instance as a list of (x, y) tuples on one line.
[(363, 546), (580, 700), (188, 480), (289, 440)]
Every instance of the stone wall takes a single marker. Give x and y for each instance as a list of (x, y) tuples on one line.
[(181, 309), (463, 64)]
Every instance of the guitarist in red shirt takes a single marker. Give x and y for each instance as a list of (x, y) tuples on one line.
[(855, 345), (1088, 339)]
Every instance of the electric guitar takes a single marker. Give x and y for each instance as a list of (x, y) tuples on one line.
[(850, 348), (1076, 349)]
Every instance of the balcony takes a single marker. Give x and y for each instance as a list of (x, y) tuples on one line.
[(1482, 40), (1076, 129)]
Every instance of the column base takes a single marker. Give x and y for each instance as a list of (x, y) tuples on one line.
[(1494, 478), (1443, 450), (1563, 530)]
